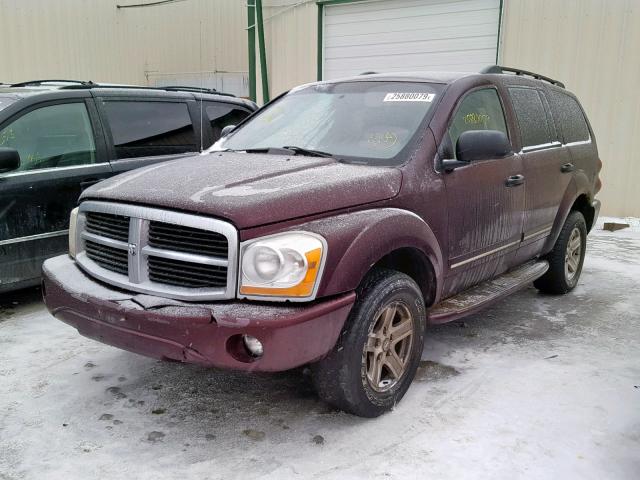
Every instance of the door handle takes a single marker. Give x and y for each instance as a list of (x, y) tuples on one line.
[(567, 167), (86, 183), (515, 180)]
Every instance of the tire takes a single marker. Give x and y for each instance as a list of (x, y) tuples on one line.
[(566, 258), (367, 347)]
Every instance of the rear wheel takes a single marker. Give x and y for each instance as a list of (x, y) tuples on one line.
[(376, 357), (566, 258)]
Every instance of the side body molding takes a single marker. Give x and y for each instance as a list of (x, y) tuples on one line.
[(358, 240)]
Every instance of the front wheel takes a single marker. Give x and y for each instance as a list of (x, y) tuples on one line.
[(377, 354), (566, 258)]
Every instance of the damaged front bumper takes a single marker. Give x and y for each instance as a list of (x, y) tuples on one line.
[(208, 334)]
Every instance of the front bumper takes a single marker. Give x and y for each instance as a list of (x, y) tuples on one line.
[(208, 334)]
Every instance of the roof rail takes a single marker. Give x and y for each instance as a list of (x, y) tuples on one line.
[(520, 72), (185, 88), (35, 83)]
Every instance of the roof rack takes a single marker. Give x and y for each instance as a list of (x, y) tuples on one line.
[(80, 84), (500, 69), (185, 88), (35, 83)]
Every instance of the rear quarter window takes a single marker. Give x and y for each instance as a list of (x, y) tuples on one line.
[(570, 117), (142, 129), (535, 126)]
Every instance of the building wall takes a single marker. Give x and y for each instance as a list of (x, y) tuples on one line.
[(593, 46), (94, 40)]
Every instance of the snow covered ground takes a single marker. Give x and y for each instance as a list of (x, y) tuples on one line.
[(535, 387)]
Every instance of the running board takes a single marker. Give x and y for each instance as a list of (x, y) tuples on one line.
[(484, 294)]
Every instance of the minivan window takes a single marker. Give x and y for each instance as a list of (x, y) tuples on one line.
[(367, 122), (143, 129), (222, 114), (535, 128), (52, 136), (570, 117), (479, 110)]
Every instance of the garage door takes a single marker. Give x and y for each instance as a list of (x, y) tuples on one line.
[(409, 35)]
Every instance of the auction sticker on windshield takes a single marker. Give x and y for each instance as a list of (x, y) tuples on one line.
[(409, 97)]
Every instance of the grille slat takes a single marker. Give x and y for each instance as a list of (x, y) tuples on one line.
[(113, 259), (107, 225), (186, 274), (187, 239)]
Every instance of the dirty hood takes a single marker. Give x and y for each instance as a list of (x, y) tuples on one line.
[(251, 189)]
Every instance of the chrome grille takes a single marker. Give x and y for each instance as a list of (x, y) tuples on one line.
[(187, 239), (159, 252), (107, 225)]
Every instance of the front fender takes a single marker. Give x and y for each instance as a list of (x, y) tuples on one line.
[(358, 240)]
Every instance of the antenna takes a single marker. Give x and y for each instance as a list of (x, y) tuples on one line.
[(201, 86)]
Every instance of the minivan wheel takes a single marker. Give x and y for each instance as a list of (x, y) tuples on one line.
[(375, 359), (566, 258)]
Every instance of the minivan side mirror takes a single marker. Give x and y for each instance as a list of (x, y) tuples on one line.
[(9, 159), (474, 145), (227, 130)]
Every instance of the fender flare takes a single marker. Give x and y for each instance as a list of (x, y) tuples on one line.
[(356, 241), (578, 186)]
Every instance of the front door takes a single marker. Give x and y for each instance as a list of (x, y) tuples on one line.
[(485, 199), (58, 158)]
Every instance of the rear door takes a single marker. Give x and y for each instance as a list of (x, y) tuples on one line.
[(143, 131), (546, 160), (62, 152), (484, 210)]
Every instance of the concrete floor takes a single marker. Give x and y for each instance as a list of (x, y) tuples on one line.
[(535, 387)]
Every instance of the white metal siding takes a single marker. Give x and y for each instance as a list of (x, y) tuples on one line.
[(409, 35)]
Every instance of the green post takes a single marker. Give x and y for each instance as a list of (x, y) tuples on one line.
[(251, 37), (263, 53)]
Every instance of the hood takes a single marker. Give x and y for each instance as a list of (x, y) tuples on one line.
[(251, 189)]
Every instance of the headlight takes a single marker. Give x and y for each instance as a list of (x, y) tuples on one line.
[(73, 219), (286, 265)]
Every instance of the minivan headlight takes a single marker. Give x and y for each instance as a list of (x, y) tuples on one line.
[(73, 220), (286, 265)]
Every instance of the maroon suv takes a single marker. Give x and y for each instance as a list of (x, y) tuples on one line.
[(331, 227)]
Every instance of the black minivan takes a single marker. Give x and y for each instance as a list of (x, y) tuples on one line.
[(59, 137)]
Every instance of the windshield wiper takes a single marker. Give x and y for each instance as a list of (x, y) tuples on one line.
[(308, 151)]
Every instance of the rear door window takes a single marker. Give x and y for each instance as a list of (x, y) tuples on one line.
[(222, 114), (536, 127), (479, 110), (570, 117), (144, 129), (54, 136)]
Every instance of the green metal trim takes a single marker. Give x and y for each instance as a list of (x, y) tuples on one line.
[(251, 38), (263, 53), (320, 39), (499, 32)]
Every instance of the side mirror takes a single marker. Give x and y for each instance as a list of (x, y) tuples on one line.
[(227, 130), (9, 159), (475, 145)]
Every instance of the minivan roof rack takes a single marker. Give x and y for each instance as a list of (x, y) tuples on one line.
[(185, 88), (520, 72), (35, 83)]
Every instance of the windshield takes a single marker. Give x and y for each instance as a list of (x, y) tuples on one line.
[(368, 122)]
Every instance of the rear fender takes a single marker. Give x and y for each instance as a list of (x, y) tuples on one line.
[(579, 185)]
